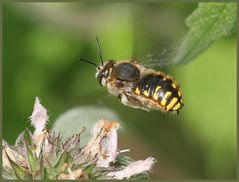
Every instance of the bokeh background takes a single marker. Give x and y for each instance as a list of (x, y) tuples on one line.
[(41, 45)]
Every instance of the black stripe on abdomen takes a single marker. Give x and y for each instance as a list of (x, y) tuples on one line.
[(156, 87)]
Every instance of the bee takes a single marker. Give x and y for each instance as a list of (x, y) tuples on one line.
[(137, 86)]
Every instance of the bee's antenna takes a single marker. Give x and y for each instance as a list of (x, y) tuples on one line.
[(100, 53), (89, 62)]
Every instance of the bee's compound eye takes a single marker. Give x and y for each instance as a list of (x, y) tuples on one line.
[(126, 71)]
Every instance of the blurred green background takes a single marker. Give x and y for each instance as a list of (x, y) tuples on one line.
[(41, 44)]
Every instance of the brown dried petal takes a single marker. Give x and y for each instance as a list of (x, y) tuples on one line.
[(103, 143)]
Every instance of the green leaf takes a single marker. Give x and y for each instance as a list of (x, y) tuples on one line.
[(122, 160), (88, 170), (52, 172), (142, 176), (62, 159), (20, 172), (209, 22), (41, 173), (27, 136), (8, 173), (33, 163)]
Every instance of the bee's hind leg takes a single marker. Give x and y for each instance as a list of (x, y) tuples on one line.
[(131, 101)]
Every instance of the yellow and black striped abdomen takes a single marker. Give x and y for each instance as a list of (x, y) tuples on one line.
[(163, 90)]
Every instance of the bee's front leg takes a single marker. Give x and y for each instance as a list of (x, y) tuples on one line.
[(127, 99)]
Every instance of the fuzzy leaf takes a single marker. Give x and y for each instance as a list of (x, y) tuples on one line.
[(209, 22)]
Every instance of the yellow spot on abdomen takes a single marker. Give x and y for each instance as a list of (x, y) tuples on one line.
[(174, 85), (167, 95), (155, 96), (172, 103), (177, 106), (137, 91), (146, 93), (179, 93)]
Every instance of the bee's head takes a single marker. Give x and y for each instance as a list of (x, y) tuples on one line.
[(103, 72)]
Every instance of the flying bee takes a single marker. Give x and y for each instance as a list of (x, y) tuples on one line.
[(137, 86)]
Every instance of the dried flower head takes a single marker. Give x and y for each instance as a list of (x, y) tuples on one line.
[(43, 155)]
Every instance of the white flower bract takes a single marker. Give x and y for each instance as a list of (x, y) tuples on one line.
[(39, 117)]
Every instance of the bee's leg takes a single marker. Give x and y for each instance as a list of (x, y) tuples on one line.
[(131, 101)]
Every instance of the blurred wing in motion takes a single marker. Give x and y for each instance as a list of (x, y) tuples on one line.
[(161, 58)]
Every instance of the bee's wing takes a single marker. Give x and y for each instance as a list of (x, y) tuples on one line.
[(160, 58)]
